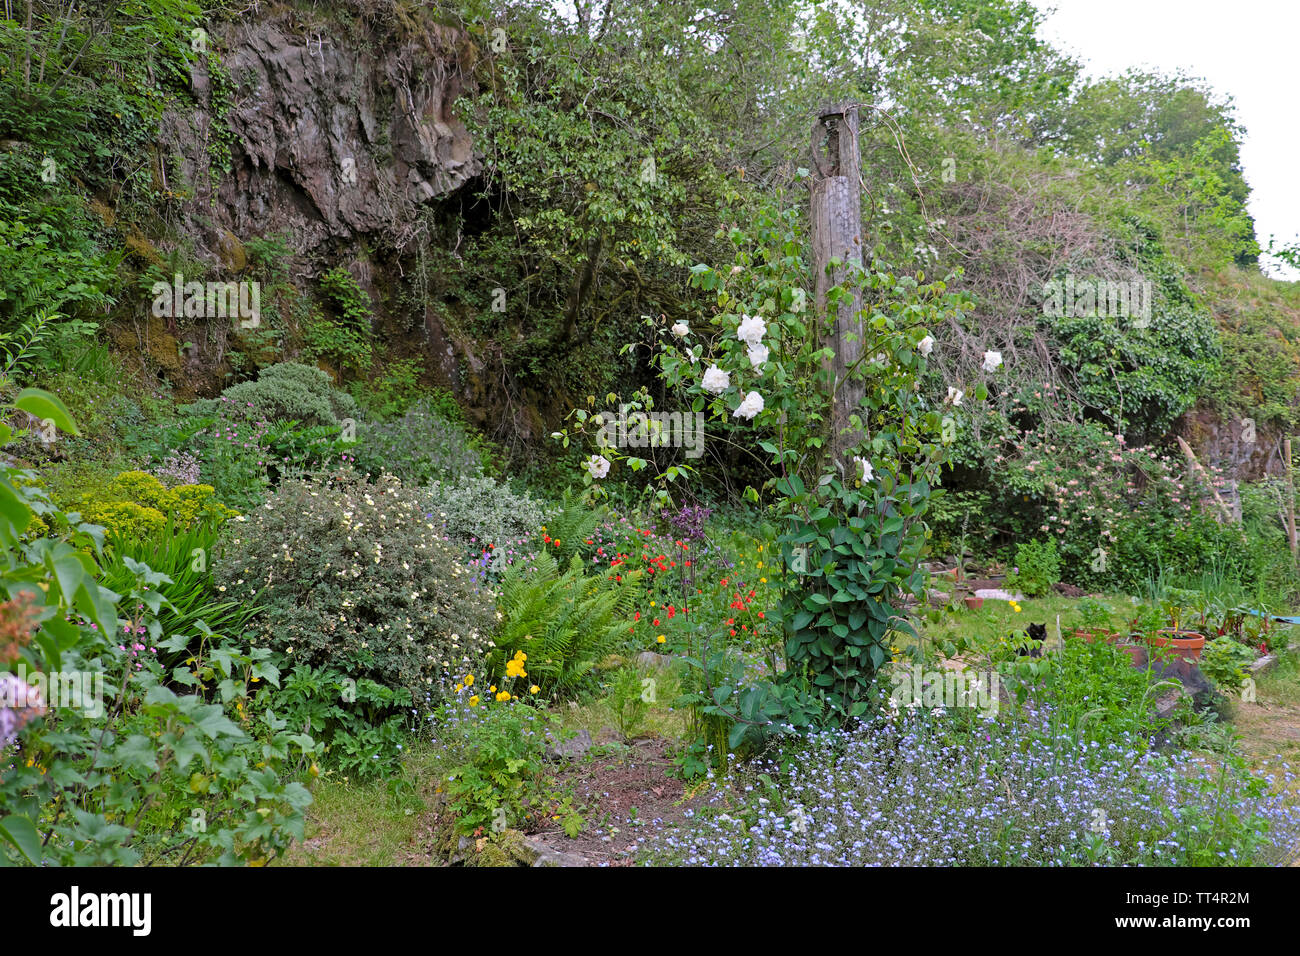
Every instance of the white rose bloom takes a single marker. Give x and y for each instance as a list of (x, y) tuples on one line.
[(751, 406), (715, 380), (992, 360), (757, 355), (598, 465), (751, 330), (926, 345), (864, 467), (954, 395), (680, 329)]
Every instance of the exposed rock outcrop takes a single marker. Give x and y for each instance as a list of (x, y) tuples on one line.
[(331, 138)]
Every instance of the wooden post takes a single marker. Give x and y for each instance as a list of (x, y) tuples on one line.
[(1290, 497), (837, 234), (1197, 466)]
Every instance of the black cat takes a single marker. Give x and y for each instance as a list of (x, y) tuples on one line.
[(1037, 634)]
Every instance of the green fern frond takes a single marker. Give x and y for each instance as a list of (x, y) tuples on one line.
[(21, 346)]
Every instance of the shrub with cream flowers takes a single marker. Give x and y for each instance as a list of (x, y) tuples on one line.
[(355, 575)]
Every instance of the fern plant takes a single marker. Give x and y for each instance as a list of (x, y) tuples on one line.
[(564, 623), (21, 346), (572, 525)]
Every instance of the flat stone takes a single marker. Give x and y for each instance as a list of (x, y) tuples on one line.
[(549, 856), (996, 594), (573, 748)]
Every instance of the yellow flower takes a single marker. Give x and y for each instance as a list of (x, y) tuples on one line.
[(660, 639), (762, 580), (534, 689), (469, 680), (504, 695), (473, 701), (759, 564), (492, 689)]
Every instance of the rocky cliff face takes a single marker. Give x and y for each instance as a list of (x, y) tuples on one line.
[(339, 141), (331, 138)]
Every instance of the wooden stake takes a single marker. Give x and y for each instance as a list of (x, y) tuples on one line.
[(837, 234), (1191, 458), (1290, 496)]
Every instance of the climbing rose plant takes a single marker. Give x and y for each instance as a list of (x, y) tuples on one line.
[(854, 531)]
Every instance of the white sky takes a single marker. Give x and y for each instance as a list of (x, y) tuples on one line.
[(1246, 49)]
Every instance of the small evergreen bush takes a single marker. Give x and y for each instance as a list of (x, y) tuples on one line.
[(480, 512), (1038, 567), (420, 447), (284, 392)]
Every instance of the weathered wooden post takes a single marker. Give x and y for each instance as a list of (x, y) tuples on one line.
[(1290, 497), (837, 234)]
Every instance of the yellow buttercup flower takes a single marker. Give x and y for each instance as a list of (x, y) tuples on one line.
[(469, 680), (473, 701), (534, 689), (504, 695), (660, 639)]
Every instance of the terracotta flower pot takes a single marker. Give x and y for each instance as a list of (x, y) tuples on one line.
[(973, 602), (1136, 652), (1093, 636), (1187, 644)]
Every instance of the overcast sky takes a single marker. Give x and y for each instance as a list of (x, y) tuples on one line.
[(1246, 49)]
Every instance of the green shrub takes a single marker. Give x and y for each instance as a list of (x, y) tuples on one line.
[(137, 504), (1224, 661), (627, 700), (479, 512), (354, 575), (284, 392), (571, 523), (1037, 567), (504, 775), (124, 776), (361, 724), (419, 447), (392, 392), (184, 556)]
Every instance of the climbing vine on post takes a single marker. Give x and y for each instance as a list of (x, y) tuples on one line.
[(854, 531)]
